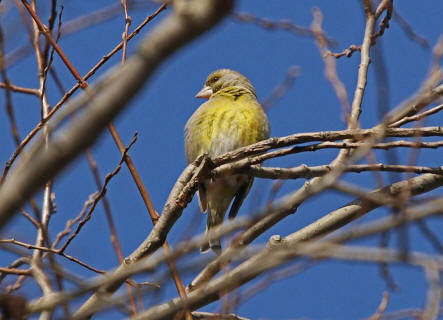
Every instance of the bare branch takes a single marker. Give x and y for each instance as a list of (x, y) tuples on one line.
[(285, 25), (329, 222)]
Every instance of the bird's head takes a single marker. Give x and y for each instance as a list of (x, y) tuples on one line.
[(221, 79)]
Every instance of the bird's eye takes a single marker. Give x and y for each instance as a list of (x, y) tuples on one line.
[(213, 80)]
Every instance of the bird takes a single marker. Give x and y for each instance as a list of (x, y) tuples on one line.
[(231, 118)]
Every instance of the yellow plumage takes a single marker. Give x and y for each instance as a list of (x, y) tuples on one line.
[(230, 119)]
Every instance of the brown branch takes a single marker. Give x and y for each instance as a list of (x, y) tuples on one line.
[(71, 222), (46, 54), (416, 117), (15, 271), (299, 138), (49, 250), (409, 31), (46, 32), (242, 165), (15, 88), (330, 64), (427, 94), (362, 69), (279, 91), (30, 218), (341, 145), (15, 264), (381, 307), (385, 5), (98, 196), (306, 172), (8, 100), (126, 29), (348, 52)]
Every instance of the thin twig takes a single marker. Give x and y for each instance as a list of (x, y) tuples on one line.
[(42, 249), (283, 24), (279, 91), (409, 31), (15, 88), (330, 64), (348, 52), (98, 196), (416, 117)]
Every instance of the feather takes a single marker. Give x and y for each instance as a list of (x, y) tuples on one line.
[(202, 198), (239, 197)]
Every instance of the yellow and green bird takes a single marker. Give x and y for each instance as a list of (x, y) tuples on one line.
[(230, 119)]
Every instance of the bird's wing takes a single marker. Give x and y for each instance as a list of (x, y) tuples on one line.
[(202, 198), (239, 197)]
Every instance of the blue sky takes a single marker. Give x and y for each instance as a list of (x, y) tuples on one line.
[(328, 290)]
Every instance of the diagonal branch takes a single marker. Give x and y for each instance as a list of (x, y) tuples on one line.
[(113, 95)]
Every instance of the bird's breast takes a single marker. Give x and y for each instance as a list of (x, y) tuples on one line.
[(223, 124)]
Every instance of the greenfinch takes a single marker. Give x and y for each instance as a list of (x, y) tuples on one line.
[(230, 119)]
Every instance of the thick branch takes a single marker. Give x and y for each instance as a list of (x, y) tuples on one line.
[(116, 89), (330, 222)]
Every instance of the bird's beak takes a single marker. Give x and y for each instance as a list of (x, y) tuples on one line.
[(204, 93)]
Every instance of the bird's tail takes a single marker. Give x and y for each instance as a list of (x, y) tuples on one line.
[(212, 243), (217, 207)]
